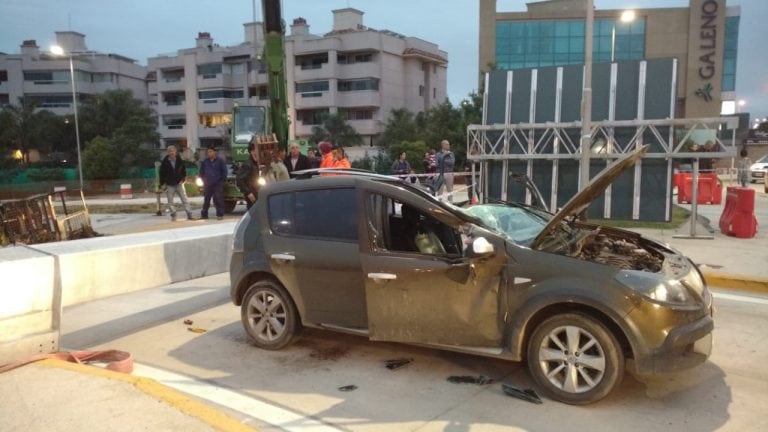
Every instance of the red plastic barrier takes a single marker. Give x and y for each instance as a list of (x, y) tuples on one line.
[(738, 218), (710, 188)]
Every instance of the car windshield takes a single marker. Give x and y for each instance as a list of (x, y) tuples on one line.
[(763, 159), (517, 223)]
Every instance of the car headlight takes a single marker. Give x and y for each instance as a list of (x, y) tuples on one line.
[(657, 288), (238, 237), (261, 181), (199, 182)]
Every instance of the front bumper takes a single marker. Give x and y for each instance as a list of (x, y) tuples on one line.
[(235, 275), (684, 347)]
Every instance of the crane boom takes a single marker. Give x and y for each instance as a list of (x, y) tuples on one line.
[(274, 55)]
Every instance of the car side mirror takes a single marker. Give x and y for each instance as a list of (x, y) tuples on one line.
[(481, 247)]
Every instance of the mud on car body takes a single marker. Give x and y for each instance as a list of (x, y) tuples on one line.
[(373, 256)]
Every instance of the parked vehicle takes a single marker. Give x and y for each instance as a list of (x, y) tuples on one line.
[(759, 169), (375, 256)]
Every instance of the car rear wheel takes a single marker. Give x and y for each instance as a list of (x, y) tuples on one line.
[(269, 316), (575, 359)]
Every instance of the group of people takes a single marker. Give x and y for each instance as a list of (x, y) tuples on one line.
[(439, 165), (213, 171)]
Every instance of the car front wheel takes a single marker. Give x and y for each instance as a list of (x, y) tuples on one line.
[(269, 316), (575, 359)]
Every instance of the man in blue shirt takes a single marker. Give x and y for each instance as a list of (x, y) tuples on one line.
[(213, 171)]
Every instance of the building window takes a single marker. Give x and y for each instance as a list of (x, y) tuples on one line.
[(530, 44), (434, 93), (174, 121), (209, 70), (54, 101), (215, 120), (173, 75), (311, 117), (421, 90), (261, 92), (730, 53), (314, 61), (234, 68), (4, 100), (358, 84), (219, 94), (357, 113), (351, 58), (312, 87), (173, 99), (3, 76)]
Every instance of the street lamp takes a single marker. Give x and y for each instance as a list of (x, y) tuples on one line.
[(626, 17), (585, 141), (59, 51)]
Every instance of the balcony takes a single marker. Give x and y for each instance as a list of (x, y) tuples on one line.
[(215, 105), (365, 127), (174, 131), (313, 100), (171, 108), (303, 130), (212, 132), (358, 70), (170, 84), (362, 98), (325, 71)]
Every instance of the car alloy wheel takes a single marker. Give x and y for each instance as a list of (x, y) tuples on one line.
[(269, 315), (575, 359)]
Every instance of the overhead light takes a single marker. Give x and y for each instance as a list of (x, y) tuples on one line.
[(627, 16)]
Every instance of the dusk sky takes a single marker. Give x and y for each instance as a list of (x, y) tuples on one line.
[(144, 28)]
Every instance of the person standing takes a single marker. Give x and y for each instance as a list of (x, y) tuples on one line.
[(744, 168), (213, 171), (401, 166), (279, 168), (314, 159), (445, 163), (327, 154), (340, 158), (173, 174), (295, 161), (248, 176)]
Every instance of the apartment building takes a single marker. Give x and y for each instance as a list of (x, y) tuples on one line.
[(38, 74), (360, 72)]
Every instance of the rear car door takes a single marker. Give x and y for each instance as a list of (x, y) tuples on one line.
[(314, 252), (429, 293)]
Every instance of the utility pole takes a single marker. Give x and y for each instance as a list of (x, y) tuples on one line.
[(586, 99)]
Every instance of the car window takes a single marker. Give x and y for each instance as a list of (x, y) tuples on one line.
[(327, 213), (397, 226)]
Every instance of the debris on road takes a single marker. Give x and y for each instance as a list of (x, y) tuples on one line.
[(348, 388), (526, 395), (188, 322), (196, 329), (397, 363), (468, 379)]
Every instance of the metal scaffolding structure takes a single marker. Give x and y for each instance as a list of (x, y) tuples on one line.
[(555, 142)]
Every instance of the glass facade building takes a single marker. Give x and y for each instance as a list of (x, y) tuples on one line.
[(540, 43)]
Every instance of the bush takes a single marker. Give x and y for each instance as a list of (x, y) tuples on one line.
[(379, 163), (46, 174)]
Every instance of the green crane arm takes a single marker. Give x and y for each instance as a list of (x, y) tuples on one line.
[(274, 53)]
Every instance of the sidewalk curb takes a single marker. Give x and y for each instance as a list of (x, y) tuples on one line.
[(191, 407), (754, 284)]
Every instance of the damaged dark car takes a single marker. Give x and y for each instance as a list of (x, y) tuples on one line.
[(373, 256)]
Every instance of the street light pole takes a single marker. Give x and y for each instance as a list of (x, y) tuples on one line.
[(586, 100), (77, 124), (57, 50)]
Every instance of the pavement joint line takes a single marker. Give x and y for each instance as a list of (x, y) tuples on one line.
[(281, 418), (740, 298), (176, 399), (746, 283)]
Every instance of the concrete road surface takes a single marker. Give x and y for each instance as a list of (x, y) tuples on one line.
[(298, 388)]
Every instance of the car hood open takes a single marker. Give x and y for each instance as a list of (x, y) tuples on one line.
[(577, 205)]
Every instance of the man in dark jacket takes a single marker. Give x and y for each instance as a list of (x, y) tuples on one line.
[(295, 161), (213, 171), (173, 174), (248, 176)]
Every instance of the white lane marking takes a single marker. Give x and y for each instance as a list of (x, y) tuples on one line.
[(520, 280), (276, 416), (740, 298)]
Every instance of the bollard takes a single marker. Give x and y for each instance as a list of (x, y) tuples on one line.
[(126, 191)]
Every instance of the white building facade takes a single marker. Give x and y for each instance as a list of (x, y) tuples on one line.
[(44, 77), (360, 72)]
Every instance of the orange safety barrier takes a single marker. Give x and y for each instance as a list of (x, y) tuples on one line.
[(738, 218)]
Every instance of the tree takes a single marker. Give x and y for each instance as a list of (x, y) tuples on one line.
[(334, 128), (100, 160), (24, 128), (123, 125), (399, 127)]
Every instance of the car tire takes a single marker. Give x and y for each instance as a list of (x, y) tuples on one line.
[(269, 316), (572, 376)]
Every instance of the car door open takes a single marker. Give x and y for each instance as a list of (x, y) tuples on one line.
[(420, 285)]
